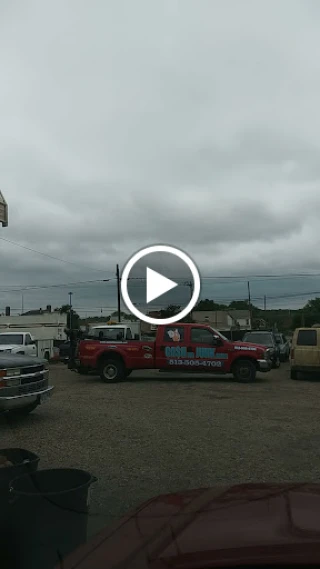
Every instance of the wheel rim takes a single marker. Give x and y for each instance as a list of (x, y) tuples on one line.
[(110, 371), (244, 372)]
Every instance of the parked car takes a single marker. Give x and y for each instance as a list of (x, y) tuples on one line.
[(284, 346), (305, 352), (265, 338)]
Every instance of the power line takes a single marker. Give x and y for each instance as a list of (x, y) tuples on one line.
[(242, 278), (211, 277), (37, 287), (50, 256)]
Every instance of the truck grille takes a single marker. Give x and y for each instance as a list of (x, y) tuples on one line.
[(28, 379), (36, 386), (24, 389), (32, 369)]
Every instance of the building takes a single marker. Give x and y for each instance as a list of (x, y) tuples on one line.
[(150, 329), (242, 318), (224, 319), (47, 326), (219, 319)]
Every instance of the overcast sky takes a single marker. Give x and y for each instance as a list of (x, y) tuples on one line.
[(128, 123)]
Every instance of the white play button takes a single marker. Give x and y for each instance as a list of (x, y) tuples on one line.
[(142, 285), (157, 285)]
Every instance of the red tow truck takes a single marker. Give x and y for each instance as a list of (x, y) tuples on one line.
[(177, 347)]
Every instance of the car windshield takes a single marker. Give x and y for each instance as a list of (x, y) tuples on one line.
[(263, 339), (7, 339)]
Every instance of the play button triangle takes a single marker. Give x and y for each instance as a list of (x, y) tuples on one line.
[(157, 285)]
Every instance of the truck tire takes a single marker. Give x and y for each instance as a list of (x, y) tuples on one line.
[(293, 374), (244, 371), (23, 411), (112, 371)]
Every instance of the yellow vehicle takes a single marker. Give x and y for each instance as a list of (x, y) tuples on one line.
[(305, 352)]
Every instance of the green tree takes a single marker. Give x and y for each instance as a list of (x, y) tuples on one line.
[(75, 318), (171, 310), (308, 315), (124, 316), (206, 305)]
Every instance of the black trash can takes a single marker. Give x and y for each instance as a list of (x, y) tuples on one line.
[(49, 515), (24, 462)]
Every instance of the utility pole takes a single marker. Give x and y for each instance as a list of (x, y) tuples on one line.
[(118, 293), (191, 287), (249, 303), (70, 310)]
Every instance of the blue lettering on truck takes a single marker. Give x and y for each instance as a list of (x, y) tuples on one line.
[(179, 355)]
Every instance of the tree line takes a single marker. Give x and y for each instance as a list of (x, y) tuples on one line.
[(285, 319)]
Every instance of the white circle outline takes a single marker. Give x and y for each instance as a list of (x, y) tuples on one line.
[(160, 249)]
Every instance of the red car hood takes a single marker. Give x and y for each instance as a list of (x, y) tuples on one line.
[(250, 524)]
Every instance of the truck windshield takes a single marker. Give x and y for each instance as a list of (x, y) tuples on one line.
[(8, 339), (263, 339), (112, 334), (220, 335)]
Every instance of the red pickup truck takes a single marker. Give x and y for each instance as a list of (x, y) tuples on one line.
[(179, 347)]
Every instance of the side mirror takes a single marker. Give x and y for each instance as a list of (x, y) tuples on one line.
[(216, 341)]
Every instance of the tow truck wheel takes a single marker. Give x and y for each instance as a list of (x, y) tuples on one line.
[(112, 371), (244, 371)]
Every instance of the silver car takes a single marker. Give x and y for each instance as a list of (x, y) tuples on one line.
[(284, 346)]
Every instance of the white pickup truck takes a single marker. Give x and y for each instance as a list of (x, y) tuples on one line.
[(24, 343)]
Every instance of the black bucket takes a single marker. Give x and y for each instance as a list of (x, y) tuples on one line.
[(24, 462), (49, 515)]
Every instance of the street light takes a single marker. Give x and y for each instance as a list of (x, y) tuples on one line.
[(70, 310)]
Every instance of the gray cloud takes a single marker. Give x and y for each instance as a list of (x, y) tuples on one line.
[(171, 122)]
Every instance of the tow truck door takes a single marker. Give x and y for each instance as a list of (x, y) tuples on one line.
[(209, 354), (171, 347)]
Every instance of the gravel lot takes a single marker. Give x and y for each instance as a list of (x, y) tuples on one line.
[(159, 433)]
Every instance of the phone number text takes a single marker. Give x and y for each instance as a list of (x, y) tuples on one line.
[(195, 363)]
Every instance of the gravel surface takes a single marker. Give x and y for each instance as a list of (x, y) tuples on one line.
[(159, 433)]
